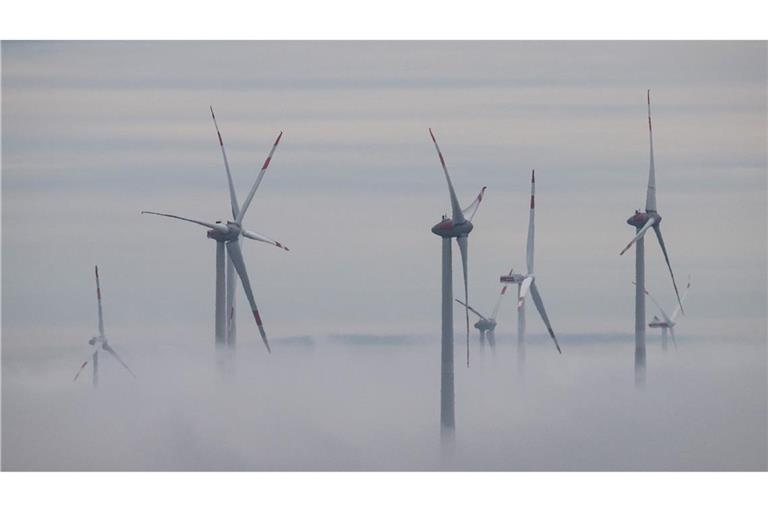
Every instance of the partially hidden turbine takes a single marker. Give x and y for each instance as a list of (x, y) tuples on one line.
[(667, 322), (527, 283), (100, 343), (643, 221), (458, 226), (227, 236), (488, 323)]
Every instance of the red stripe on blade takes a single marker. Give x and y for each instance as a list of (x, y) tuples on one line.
[(257, 317)]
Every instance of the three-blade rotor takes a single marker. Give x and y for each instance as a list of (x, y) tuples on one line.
[(100, 341), (231, 232), (459, 227), (528, 283), (652, 219)]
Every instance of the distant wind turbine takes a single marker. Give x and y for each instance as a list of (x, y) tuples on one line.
[(100, 343), (667, 323), (527, 282), (228, 236), (488, 323), (458, 226), (643, 221)]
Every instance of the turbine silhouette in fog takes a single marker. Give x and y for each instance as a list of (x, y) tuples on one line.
[(488, 323), (527, 282), (100, 343), (643, 221), (667, 323), (227, 236), (458, 226)]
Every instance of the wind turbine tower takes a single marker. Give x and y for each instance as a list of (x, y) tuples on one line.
[(458, 227), (642, 222)]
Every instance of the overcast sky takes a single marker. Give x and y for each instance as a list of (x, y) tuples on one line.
[(95, 132)]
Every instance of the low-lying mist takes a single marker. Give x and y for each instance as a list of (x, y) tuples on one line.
[(372, 403)]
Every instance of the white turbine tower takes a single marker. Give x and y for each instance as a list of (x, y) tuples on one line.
[(643, 221), (488, 323), (527, 283), (667, 323), (100, 343), (458, 227), (227, 237)]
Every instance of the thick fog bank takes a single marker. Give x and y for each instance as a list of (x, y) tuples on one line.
[(371, 403)]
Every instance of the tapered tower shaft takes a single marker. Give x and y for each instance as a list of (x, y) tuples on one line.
[(640, 312), (520, 331), (447, 415), (664, 332), (96, 368), (220, 306), (231, 311)]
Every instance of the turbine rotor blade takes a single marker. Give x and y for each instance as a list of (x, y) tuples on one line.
[(114, 354), (543, 312), (233, 249), (658, 306), (471, 210), (685, 294), (458, 215), (639, 235), (262, 238), (98, 298), (531, 227), (462, 241), (501, 296), (216, 227), (256, 184), (657, 229), (232, 194), (650, 197), (471, 309), (524, 287), (82, 366)]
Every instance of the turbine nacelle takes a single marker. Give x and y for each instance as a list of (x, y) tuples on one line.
[(485, 324), (225, 232), (97, 339), (447, 229), (657, 322), (639, 219), (512, 278)]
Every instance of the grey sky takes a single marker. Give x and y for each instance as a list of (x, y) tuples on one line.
[(95, 132)]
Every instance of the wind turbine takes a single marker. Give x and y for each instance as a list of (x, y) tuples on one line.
[(643, 221), (227, 236), (458, 226), (667, 323), (488, 323), (527, 282), (100, 343)]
